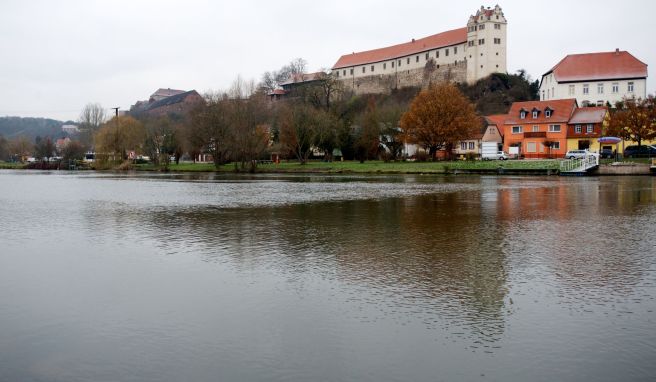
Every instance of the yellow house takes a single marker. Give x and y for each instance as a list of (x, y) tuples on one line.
[(585, 127)]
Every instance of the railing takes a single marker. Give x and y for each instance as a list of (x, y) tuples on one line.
[(580, 164)]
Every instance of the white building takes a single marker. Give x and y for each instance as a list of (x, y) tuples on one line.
[(596, 78), (480, 46)]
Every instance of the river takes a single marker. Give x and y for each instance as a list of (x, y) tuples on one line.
[(203, 277)]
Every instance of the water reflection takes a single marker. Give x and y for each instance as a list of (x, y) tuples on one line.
[(167, 277)]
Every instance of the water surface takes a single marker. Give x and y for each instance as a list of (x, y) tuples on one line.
[(337, 278)]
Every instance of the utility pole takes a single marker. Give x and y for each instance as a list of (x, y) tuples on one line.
[(116, 139)]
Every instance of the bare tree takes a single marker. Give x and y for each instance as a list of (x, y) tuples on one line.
[(92, 116)]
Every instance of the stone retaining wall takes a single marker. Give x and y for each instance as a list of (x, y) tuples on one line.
[(385, 83)]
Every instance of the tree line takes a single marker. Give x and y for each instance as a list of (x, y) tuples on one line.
[(317, 116)]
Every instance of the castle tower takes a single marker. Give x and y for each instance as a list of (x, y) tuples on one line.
[(486, 43)]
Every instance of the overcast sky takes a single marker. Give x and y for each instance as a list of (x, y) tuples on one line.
[(58, 56)]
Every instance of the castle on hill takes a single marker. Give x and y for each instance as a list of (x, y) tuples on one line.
[(460, 55)]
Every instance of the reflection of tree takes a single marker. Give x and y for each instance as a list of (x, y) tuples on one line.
[(411, 256)]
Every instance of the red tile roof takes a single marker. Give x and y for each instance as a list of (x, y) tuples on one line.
[(562, 110), (599, 66), (440, 40), (497, 119), (589, 115)]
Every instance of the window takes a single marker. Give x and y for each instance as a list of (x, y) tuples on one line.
[(364, 69), (351, 71), (481, 27), (497, 41), (586, 89), (399, 63), (338, 73), (600, 88), (384, 65), (437, 54), (408, 61), (344, 73), (554, 128), (471, 145), (571, 89), (497, 26), (463, 146), (548, 93), (536, 128), (427, 56), (590, 128), (577, 129), (392, 64), (531, 147), (516, 129), (470, 43), (481, 41), (455, 50), (555, 145), (615, 88), (543, 95), (535, 113), (416, 58), (547, 113), (446, 52), (630, 87), (522, 114)]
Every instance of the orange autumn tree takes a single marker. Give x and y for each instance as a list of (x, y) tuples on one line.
[(439, 117), (634, 120)]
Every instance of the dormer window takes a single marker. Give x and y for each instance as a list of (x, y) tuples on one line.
[(522, 114), (548, 112), (536, 112)]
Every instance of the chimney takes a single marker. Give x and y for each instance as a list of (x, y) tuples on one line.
[(413, 40), (617, 51)]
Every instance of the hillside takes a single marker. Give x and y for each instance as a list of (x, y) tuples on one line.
[(11, 127), (495, 94)]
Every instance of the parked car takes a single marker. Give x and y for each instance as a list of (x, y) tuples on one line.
[(607, 153), (639, 151), (577, 154)]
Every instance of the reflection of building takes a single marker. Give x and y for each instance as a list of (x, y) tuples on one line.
[(464, 54), (596, 78)]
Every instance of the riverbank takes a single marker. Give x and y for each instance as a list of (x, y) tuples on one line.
[(374, 167), (509, 167)]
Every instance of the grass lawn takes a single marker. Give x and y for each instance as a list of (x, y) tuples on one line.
[(371, 167), (11, 165)]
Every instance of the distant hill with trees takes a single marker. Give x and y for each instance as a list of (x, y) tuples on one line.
[(12, 127)]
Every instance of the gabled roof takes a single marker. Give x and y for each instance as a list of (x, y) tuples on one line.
[(440, 40), (562, 110), (161, 92), (497, 120), (172, 100), (302, 77), (589, 115), (598, 66)]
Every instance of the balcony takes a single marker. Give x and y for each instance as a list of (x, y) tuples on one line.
[(535, 134)]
